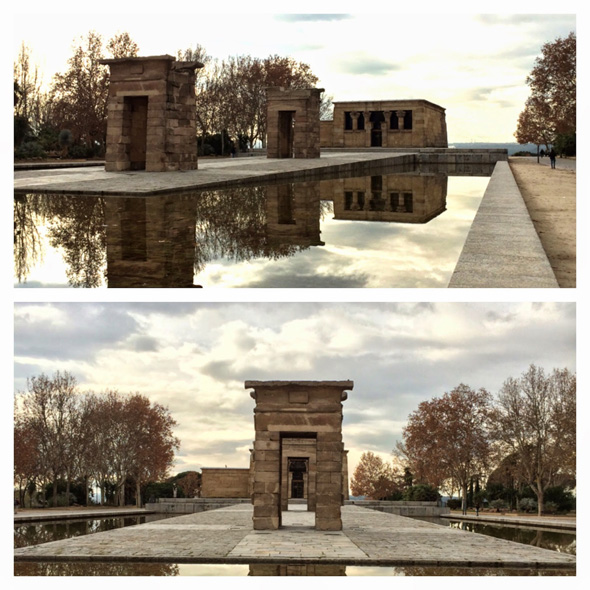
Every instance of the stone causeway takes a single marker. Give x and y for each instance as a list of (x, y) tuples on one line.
[(367, 538)]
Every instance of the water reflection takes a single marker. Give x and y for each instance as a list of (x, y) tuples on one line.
[(169, 569), (313, 234), (35, 533), (546, 539)]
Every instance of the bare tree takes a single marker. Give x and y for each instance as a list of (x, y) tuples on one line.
[(528, 415), (49, 412)]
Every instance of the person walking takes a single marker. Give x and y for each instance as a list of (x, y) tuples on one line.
[(552, 157)]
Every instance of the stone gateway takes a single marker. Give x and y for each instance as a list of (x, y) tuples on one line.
[(151, 114), (298, 450)]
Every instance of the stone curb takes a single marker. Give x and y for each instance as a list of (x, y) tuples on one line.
[(502, 249)]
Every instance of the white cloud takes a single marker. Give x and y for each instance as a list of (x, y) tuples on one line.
[(396, 354)]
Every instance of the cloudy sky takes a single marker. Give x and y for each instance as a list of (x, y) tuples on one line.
[(194, 358), (474, 65)]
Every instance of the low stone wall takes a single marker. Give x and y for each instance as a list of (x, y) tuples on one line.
[(190, 505), (502, 248), (401, 508), (225, 482)]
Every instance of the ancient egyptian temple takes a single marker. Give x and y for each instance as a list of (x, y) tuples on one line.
[(293, 122), (151, 114), (385, 123), (298, 450)]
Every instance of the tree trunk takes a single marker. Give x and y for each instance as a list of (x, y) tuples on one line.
[(138, 494), (540, 495), (85, 479), (464, 497), (54, 495)]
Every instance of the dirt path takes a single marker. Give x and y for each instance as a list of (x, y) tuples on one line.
[(550, 196)]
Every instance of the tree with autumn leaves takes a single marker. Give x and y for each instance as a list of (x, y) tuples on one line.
[(231, 96), (447, 438), (550, 110), (465, 434), (62, 434), (375, 478)]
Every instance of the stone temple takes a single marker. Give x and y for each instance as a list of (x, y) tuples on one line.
[(298, 450), (386, 123), (151, 107)]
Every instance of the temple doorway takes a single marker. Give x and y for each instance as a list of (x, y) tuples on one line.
[(136, 108)]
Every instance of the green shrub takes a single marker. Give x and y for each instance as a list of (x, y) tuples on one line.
[(528, 505), (421, 493), (550, 508), (562, 498), (498, 504), (79, 152), (29, 150), (565, 144), (454, 504)]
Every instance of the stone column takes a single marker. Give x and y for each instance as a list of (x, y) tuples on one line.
[(329, 481), (266, 482), (385, 128), (367, 128), (400, 119)]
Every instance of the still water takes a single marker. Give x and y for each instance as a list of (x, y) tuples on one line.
[(33, 534), (386, 230)]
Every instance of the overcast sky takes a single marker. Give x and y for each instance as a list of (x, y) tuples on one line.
[(194, 358), (473, 65)]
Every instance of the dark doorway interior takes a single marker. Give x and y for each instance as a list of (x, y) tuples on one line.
[(138, 109), (286, 124), (377, 118), (297, 467)]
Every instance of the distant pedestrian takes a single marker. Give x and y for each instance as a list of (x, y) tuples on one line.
[(552, 157)]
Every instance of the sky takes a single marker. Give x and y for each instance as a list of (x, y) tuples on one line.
[(474, 65), (195, 357)]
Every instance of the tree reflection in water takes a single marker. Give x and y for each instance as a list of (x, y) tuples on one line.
[(74, 224), (562, 542), (261, 569)]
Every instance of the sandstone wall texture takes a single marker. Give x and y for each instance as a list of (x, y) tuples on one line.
[(151, 114)]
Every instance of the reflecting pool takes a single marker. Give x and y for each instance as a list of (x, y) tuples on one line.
[(261, 569), (385, 230), (42, 532)]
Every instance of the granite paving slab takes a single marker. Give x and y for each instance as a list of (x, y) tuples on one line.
[(210, 174), (502, 248), (225, 535)]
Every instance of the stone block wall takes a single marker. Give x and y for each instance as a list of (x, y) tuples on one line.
[(293, 122), (163, 138), (225, 482), (308, 410), (428, 127), (400, 198)]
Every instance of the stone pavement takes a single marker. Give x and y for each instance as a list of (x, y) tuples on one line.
[(211, 174), (502, 248), (226, 536), (546, 522)]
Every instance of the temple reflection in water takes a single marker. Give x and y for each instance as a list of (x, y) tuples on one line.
[(169, 240)]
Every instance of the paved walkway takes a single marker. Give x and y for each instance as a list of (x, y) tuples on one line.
[(502, 248), (211, 174), (226, 536), (546, 522)]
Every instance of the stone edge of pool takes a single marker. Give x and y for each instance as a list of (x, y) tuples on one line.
[(503, 249)]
